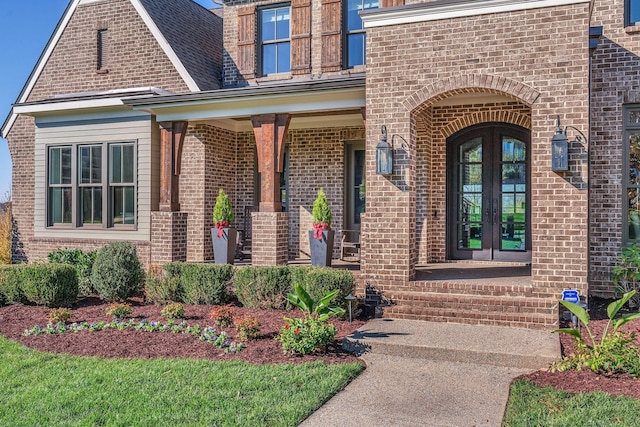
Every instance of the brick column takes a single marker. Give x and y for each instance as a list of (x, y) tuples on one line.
[(269, 234), (168, 237)]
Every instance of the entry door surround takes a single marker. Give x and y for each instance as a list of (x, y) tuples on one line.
[(488, 193)]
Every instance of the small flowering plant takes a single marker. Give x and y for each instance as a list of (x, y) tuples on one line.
[(222, 212), (59, 315), (119, 311), (321, 214), (222, 315)]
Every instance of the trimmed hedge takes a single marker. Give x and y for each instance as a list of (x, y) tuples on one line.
[(263, 287), (10, 290), (81, 261), (117, 272), (53, 285), (199, 283), (162, 290), (318, 281)]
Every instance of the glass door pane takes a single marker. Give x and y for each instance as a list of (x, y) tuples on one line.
[(470, 197), (513, 187)]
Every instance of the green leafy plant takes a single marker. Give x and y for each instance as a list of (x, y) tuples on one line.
[(81, 261), (626, 273), (117, 272), (614, 353), (119, 311), (263, 287), (200, 283), (223, 214), (58, 315), (321, 214), (162, 290), (304, 336), (10, 284), (222, 315), (318, 281), (320, 309), (53, 285), (173, 311), (248, 328)]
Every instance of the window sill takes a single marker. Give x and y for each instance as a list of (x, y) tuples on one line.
[(102, 71), (274, 77), (633, 29)]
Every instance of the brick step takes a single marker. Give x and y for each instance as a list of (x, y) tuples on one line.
[(516, 320), (469, 287)]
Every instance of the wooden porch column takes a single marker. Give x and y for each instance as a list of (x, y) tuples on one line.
[(270, 131), (172, 138)]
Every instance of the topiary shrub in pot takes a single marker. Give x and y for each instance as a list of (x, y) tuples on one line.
[(321, 237), (222, 235), (117, 272)]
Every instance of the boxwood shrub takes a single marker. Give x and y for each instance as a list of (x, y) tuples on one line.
[(318, 281), (10, 290), (162, 290), (53, 285), (117, 272), (200, 283), (263, 287), (81, 261)]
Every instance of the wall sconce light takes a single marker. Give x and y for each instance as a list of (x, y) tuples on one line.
[(560, 147), (384, 153)]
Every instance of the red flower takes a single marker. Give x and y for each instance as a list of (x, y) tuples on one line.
[(297, 331), (287, 326)]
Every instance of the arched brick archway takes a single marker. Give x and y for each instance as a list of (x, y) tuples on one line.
[(511, 117), (471, 83)]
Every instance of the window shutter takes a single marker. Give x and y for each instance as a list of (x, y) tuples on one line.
[(247, 41), (331, 35), (391, 3), (300, 36)]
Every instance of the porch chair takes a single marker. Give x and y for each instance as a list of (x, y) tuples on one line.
[(350, 245), (244, 250)]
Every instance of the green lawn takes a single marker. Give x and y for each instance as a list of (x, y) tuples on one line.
[(59, 390), (533, 406)]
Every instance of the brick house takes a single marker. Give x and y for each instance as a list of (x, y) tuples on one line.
[(139, 111)]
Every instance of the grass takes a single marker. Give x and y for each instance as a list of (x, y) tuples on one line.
[(61, 390), (534, 406)]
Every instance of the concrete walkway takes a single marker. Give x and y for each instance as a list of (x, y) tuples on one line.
[(434, 374)]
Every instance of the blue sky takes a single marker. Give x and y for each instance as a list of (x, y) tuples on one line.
[(25, 30)]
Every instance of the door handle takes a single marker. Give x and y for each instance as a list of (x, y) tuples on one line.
[(495, 215)]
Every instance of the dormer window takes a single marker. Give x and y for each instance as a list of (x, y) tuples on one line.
[(355, 43), (275, 40), (102, 53)]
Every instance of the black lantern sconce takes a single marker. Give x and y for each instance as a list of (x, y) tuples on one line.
[(384, 153), (560, 147)]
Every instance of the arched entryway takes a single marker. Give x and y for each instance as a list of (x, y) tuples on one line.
[(488, 193)]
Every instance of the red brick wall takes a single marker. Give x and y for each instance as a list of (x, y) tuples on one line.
[(520, 59), (270, 231), (168, 237), (615, 78)]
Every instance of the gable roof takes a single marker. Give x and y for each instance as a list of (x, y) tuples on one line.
[(186, 32)]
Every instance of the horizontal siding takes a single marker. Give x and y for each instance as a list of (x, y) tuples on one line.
[(136, 129)]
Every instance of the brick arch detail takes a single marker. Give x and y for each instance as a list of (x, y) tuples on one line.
[(511, 117), (472, 83)]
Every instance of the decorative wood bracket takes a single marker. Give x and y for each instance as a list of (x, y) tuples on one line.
[(172, 140), (270, 131)]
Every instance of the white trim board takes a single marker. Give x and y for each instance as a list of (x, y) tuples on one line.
[(455, 9), (53, 42)]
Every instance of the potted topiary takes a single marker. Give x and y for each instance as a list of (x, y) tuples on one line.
[(321, 237), (223, 236)]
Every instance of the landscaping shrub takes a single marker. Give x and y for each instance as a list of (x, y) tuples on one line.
[(162, 290), (201, 283), (117, 272), (6, 232), (58, 315), (53, 285), (81, 261), (173, 311), (119, 311), (222, 315), (303, 336), (263, 287), (248, 328), (318, 281), (10, 291)]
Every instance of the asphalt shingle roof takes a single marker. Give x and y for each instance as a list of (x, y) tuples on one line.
[(195, 35)]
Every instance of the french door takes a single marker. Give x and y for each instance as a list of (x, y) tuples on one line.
[(488, 200)]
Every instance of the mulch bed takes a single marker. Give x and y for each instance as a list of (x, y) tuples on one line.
[(585, 380), (15, 319)]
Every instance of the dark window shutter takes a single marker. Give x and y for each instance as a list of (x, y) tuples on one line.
[(300, 36), (247, 41), (331, 35), (391, 3), (103, 49)]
